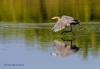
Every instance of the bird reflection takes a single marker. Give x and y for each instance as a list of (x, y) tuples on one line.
[(64, 49)]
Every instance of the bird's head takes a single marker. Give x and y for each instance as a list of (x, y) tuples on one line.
[(56, 17)]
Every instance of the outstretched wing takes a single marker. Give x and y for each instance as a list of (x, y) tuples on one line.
[(70, 20), (67, 19), (59, 25), (59, 45)]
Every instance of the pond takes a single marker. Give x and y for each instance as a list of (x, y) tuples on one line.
[(29, 46)]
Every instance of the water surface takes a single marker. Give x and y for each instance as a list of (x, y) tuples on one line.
[(32, 44)]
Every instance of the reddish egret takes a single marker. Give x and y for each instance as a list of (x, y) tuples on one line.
[(64, 21)]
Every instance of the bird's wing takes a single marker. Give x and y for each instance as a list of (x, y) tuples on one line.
[(59, 25), (59, 45), (67, 52), (69, 19)]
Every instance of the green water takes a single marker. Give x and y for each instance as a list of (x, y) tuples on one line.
[(24, 12), (86, 36), (37, 11)]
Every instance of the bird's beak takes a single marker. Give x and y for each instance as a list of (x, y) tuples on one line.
[(53, 18)]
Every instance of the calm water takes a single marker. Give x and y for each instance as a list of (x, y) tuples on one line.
[(31, 45)]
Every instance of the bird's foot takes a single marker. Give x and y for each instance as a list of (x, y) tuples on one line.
[(64, 32), (63, 39)]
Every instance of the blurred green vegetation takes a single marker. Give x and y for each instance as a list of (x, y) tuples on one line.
[(86, 36), (37, 11)]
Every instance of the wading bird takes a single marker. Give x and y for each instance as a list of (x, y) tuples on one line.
[(64, 21)]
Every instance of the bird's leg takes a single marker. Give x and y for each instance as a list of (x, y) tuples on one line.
[(67, 31), (70, 28)]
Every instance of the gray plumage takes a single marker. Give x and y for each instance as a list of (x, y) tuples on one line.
[(63, 49), (64, 21)]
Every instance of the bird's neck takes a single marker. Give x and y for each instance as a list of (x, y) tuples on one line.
[(58, 18), (58, 54)]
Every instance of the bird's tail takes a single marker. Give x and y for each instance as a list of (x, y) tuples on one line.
[(76, 21)]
